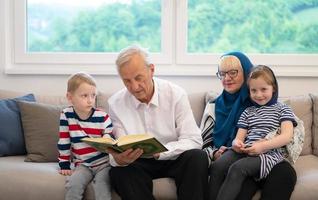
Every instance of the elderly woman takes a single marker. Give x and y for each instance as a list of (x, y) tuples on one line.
[(233, 71)]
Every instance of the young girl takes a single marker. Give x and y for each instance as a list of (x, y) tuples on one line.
[(251, 154)]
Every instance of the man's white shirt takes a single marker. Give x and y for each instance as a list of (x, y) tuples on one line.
[(168, 117)]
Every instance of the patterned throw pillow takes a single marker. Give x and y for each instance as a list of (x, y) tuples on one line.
[(207, 126), (294, 148)]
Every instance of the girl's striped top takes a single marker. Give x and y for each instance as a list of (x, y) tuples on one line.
[(73, 129), (259, 121)]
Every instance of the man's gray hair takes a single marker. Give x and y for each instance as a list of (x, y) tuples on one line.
[(127, 53)]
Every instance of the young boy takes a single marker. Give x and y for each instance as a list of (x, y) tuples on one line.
[(78, 121)]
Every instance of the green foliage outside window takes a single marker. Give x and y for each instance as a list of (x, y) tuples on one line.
[(108, 28), (254, 26), (214, 26)]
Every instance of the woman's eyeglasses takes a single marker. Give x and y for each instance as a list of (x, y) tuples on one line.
[(232, 74)]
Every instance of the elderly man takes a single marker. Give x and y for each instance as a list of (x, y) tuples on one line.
[(162, 109)]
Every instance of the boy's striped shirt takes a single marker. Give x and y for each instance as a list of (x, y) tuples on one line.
[(73, 129)]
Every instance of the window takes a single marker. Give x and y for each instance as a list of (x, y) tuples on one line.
[(89, 32), (272, 27), (273, 32), (92, 26), (185, 37)]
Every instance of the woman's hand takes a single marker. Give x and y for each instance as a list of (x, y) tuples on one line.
[(219, 152), (127, 157)]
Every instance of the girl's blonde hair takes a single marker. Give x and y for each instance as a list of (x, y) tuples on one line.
[(265, 73), (75, 80)]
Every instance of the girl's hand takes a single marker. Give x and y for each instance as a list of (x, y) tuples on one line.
[(238, 146), (66, 172), (219, 152), (257, 148)]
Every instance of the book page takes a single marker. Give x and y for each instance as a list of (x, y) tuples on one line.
[(100, 140), (127, 139)]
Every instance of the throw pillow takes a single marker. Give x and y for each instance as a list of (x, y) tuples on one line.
[(41, 130), (207, 124), (314, 98), (302, 108), (11, 132)]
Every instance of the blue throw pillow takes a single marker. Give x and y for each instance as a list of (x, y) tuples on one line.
[(11, 133)]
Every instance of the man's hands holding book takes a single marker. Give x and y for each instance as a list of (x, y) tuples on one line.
[(126, 149), (127, 157)]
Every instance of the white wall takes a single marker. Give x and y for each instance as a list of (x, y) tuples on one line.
[(56, 84)]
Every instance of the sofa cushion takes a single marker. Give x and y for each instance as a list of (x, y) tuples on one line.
[(302, 107), (11, 132), (197, 104), (101, 101), (8, 94), (41, 126), (314, 98), (307, 175)]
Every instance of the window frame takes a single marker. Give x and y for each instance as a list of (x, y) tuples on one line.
[(173, 61), (48, 61)]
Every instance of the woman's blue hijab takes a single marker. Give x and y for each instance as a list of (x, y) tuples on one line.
[(228, 107)]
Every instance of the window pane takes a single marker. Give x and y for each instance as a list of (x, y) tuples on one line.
[(254, 26), (92, 26)]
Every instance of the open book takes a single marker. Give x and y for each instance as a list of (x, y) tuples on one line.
[(148, 143)]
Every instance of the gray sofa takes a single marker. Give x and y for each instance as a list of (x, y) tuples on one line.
[(40, 179)]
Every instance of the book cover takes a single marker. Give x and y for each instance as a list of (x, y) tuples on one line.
[(148, 143)]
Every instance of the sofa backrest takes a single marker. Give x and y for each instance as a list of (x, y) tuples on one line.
[(196, 101), (314, 98), (41, 98), (305, 107)]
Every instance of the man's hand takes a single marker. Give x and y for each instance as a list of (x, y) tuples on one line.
[(66, 172), (126, 157), (156, 156)]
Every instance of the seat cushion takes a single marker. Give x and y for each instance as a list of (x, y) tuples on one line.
[(307, 178), (42, 181)]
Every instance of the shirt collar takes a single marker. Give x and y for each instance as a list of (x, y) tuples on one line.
[(154, 100)]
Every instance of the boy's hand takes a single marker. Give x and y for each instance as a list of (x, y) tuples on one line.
[(66, 172)]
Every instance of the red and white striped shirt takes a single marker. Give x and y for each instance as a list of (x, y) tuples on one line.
[(73, 129)]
